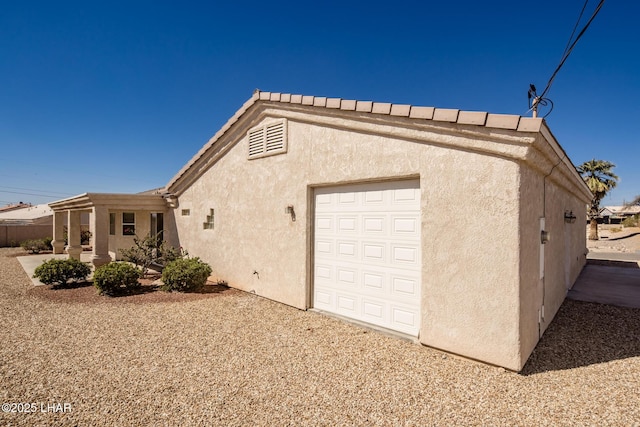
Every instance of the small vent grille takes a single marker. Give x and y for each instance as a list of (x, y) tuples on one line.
[(268, 139)]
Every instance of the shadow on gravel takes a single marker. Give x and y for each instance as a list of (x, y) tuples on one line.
[(71, 285), (623, 237), (584, 334)]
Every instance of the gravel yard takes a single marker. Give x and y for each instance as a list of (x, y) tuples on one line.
[(230, 358)]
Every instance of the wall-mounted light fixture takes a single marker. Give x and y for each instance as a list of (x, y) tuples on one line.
[(171, 200), (545, 236), (291, 212), (569, 217)]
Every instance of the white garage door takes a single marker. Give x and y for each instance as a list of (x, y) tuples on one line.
[(367, 253)]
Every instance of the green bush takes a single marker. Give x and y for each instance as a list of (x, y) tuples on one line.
[(60, 271), (631, 221), (115, 278), (185, 275), (85, 237), (150, 250), (35, 246), (47, 242)]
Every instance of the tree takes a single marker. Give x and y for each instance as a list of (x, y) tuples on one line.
[(600, 179)]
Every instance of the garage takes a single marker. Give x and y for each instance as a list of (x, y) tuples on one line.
[(367, 263)]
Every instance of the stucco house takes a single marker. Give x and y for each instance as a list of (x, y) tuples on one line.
[(353, 208)]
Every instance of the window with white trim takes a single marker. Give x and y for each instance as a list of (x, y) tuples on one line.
[(128, 224), (267, 139)]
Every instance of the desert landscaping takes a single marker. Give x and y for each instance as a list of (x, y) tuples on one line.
[(193, 359)]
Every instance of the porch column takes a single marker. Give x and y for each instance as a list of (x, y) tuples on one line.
[(73, 234), (99, 224), (58, 232)]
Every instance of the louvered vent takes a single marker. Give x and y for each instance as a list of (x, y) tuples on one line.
[(268, 139)]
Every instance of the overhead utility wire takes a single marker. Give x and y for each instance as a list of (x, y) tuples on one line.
[(570, 49), (566, 48), (535, 100), (33, 189), (29, 194)]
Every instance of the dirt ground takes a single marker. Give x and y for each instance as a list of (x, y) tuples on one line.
[(614, 238)]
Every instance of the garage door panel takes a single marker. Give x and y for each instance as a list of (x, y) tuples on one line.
[(375, 225), (404, 227), (404, 320), (325, 247), (367, 243), (404, 254), (346, 248), (374, 252), (323, 299), (324, 272), (324, 224), (373, 281), (374, 311), (348, 224), (347, 277), (405, 287)]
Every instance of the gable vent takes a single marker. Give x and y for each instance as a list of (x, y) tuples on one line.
[(268, 139)]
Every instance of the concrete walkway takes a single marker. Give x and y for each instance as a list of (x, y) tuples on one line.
[(617, 283), (31, 262)]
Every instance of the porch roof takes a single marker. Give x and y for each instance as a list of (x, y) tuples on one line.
[(112, 201)]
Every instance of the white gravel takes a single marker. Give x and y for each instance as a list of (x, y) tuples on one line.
[(234, 359)]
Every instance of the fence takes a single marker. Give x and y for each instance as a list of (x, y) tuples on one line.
[(12, 235)]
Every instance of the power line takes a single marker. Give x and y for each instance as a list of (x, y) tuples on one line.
[(33, 189), (536, 100), (30, 194), (570, 49)]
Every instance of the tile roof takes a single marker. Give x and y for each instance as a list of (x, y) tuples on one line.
[(479, 118), (474, 118)]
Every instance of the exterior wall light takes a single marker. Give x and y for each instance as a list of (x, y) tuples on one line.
[(545, 236), (569, 217), (289, 210)]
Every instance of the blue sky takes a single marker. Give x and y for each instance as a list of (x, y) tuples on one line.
[(118, 96)]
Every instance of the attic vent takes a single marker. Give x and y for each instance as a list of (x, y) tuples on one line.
[(268, 139)]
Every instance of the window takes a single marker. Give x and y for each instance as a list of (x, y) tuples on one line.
[(208, 224), (112, 224), (268, 139), (186, 212), (128, 224)]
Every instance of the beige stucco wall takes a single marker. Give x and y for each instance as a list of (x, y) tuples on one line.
[(470, 222), (547, 192)]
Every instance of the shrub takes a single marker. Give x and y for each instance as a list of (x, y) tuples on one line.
[(148, 251), (85, 237), (116, 277), (60, 271), (47, 241), (35, 246), (631, 221), (185, 274)]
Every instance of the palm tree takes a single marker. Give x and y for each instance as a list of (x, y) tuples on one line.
[(600, 179)]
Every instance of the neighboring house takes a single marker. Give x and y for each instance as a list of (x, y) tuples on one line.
[(29, 222), (617, 214), (14, 206), (352, 208), (24, 222)]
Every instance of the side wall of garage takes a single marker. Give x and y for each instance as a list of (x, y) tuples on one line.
[(469, 223)]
